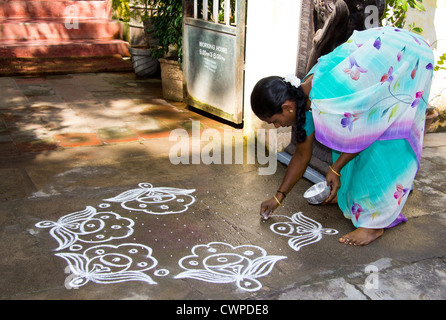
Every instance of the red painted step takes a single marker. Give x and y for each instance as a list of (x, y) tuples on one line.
[(53, 9), (62, 48), (60, 28)]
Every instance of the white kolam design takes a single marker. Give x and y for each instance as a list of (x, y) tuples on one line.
[(219, 262), (81, 238), (110, 264), (159, 201), (301, 230), (88, 226)]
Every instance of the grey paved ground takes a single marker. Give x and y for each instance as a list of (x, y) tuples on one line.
[(73, 148)]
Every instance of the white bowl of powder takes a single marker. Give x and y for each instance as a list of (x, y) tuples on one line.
[(317, 193)]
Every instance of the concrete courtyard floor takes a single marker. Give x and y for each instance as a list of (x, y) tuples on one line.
[(91, 207)]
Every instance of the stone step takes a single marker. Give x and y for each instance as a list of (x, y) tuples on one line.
[(62, 29), (62, 48), (59, 28), (54, 9), (53, 66)]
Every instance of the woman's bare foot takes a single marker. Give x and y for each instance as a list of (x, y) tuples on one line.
[(361, 236)]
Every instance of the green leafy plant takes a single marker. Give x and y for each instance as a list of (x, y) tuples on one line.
[(440, 63), (121, 10), (167, 27), (142, 10), (396, 13)]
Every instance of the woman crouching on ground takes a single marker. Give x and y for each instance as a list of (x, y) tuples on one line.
[(366, 100)]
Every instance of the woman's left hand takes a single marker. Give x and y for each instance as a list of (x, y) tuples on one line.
[(334, 182)]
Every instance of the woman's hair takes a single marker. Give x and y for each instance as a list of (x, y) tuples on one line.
[(268, 96)]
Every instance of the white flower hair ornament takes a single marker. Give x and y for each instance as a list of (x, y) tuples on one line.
[(293, 80)]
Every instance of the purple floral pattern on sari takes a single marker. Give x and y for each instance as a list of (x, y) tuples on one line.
[(400, 193), (357, 210), (347, 121), (354, 70)]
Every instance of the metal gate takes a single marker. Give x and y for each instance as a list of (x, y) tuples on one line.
[(214, 53)]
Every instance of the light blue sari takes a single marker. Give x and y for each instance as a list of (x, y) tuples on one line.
[(369, 96)]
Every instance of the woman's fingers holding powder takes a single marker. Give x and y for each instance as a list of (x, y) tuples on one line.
[(267, 207)]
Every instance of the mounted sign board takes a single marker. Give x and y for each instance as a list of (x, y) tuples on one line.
[(214, 66)]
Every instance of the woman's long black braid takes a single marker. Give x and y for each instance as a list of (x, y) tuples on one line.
[(301, 103)]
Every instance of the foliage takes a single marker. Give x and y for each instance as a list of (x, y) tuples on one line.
[(121, 9), (440, 63), (142, 10), (167, 27), (396, 10)]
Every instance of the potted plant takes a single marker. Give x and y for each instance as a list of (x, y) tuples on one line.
[(167, 27), (141, 40)]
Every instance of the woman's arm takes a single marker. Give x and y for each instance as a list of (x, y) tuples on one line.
[(298, 164), (296, 168)]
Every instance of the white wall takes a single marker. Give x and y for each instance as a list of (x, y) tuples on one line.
[(272, 38)]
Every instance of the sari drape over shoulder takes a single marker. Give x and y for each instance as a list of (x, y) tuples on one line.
[(369, 95)]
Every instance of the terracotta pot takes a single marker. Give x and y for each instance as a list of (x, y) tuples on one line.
[(172, 79)]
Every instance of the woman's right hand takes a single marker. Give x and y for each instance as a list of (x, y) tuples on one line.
[(334, 182), (267, 207)]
